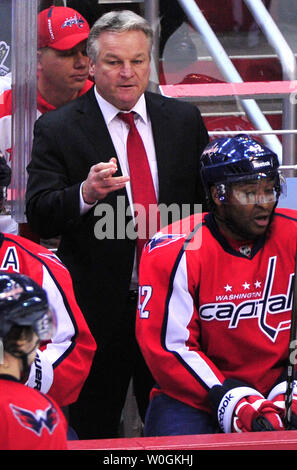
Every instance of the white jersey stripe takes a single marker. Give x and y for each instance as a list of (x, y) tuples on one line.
[(180, 312)]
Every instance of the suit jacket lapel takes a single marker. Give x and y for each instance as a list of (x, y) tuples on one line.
[(91, 121)]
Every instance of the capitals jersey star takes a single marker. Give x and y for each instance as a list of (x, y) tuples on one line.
[(211, 309), (62, 365), (29, 419)]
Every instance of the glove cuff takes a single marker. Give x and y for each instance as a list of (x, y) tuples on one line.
[(225, 398), (281, 388)]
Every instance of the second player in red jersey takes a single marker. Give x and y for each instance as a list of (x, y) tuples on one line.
[(215, 300)]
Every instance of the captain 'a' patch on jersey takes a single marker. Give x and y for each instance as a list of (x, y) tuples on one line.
[(10, 260)]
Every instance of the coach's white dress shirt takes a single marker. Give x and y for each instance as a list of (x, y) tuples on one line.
[(119, 131)]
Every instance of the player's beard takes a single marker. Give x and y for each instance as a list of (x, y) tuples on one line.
[(238, 227)]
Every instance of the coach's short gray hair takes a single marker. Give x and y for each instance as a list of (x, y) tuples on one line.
[(118, 22)]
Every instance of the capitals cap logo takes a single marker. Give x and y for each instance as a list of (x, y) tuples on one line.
[(35, 422), (75, 20)]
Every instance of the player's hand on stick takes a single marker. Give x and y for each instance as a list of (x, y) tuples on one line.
[(254, 413), (278, 398), (240, 408)]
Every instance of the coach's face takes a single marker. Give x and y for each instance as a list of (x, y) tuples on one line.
[(248, 211), (122, 69)]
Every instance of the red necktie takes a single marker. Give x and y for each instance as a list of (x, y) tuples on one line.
[(143, 191)]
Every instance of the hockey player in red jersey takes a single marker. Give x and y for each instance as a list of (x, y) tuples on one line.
[(215, 301), (29, 419), (62, 364)]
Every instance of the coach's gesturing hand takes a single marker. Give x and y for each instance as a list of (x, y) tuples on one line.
[(101, 181)]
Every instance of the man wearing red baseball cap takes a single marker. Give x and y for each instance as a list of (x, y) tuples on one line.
[(63, 65), (62, 72)]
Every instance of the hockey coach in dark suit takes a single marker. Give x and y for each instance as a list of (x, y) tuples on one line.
[(79, 187)]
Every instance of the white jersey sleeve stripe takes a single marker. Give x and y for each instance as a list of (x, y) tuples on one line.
[(180, 312), (65, 329)]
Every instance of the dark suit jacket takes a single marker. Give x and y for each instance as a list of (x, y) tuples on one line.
[(67, 142)]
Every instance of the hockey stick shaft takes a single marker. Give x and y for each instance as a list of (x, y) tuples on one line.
[(292, 355)]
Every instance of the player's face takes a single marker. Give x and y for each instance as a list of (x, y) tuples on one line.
[(64, 70), (249, 209), (121, 71)]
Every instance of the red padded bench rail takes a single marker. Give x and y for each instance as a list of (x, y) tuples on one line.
[(278, 440), (244, 90)]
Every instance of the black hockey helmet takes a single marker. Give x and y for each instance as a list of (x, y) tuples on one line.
[(24, 303), (237, 159)]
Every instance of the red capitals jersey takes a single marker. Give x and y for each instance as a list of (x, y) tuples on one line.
[(29, 419), (209, 311), (61, 366)]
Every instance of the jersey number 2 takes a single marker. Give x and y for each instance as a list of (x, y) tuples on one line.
[(146, 292)]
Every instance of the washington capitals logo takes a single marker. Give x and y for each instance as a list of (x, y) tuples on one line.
[(163, 239), (263, 308), (74, 20), (35, 422)]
